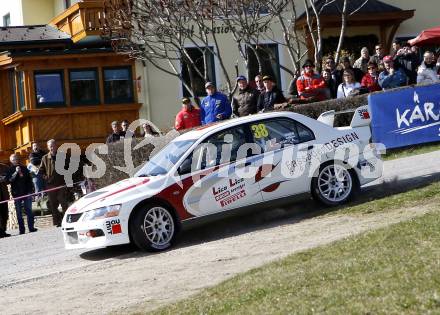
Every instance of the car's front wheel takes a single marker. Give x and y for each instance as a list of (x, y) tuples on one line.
[(334, 184), (153, 228)]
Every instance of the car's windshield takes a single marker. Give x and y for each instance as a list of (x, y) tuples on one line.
[(163, 161)]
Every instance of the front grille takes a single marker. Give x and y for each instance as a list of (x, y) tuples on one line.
[(71, 218)]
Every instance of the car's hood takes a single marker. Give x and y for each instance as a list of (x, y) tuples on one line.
[(117, 193)]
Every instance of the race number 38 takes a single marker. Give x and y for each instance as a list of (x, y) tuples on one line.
[(260, 131)]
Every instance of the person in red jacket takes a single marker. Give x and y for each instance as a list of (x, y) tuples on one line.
[(188, 117), (370, 80), (310, 85)]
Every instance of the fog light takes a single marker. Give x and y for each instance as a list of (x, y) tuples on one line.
[(94, 233)]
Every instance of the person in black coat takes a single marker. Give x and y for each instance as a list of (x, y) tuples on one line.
[(270, 96), (245, 102), (21, 185), (4, 196)]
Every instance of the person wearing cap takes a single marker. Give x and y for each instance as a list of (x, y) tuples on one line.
[(215, 106), (116, 134), (188, 117), (311, 86), (362, 62), (391, 78), (270, 96), (245, 103)]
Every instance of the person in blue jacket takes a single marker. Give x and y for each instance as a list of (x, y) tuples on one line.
[(215, 106), (391, 77)]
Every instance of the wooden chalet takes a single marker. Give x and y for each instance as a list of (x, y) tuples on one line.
[(370, 14), (64, 84)]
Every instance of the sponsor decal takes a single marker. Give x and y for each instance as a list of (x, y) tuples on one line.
[(72, 210), (409, 120), (260, 131), (363, 113), (230, 193), (113, 226), (348, 138)]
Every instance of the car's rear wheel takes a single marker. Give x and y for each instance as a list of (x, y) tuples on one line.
[(153, 228), (334, 184)]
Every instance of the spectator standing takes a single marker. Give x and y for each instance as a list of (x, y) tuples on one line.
[(125, 132), (346, 65), (408, 62), (271, 95), (34, 163), (362, 62), (147, 130), (259, 83), (54, 180), (350, 86), (311, 86), (427, 72), (391, 78), (371, 79), (330, 64), (116, 134), (378, 56), (21, 185), (215, 106), (331, 85), (395, 47), (245, 103), (293, 90), (4, 211), (188, 117)]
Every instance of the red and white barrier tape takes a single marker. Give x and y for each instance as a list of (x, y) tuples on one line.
[(39, 193)]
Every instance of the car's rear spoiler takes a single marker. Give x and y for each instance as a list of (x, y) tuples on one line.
[(361, 117)]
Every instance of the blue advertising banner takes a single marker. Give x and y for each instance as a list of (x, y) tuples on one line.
[(406, 117)]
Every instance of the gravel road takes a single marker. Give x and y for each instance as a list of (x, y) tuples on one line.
[(38, 276)]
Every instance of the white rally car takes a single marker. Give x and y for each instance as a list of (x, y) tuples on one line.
[(216, 170)]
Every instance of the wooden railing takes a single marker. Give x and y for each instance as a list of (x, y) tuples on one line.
[(81, 20)]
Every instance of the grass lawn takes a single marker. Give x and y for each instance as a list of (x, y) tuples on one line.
[(412, 150), (394, 270)]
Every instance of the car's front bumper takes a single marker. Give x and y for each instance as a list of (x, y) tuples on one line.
[(94, 233)]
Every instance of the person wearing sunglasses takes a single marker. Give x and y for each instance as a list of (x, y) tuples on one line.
[(371, 79)]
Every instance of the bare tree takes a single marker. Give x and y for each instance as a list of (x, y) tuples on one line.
[(344, 17), (159, 32)]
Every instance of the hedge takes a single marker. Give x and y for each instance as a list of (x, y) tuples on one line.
[(115, 157)]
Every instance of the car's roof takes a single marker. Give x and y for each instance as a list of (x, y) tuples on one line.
[(203, 130)]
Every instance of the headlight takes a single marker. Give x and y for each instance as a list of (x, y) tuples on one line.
[(101, 213)]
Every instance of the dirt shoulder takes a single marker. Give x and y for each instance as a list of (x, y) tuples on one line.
[(138, 281)]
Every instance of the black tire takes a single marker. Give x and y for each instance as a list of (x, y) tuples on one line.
[(153, 228), (329, 190)]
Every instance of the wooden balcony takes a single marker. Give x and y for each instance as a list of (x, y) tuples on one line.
[(81, 20)]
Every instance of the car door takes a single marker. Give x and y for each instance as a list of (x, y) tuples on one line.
[(222, 175), (287, 146)]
